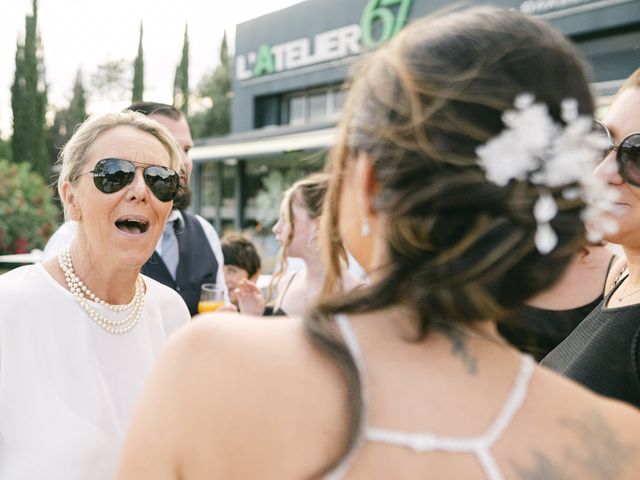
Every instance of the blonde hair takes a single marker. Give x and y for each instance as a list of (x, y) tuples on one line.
[(73, 156), (311, 192)]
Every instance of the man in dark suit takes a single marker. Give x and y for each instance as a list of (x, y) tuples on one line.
[(189, 252)]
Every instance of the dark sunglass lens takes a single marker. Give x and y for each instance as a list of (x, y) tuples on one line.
[(163, 182), (112, 174), (629, 159)]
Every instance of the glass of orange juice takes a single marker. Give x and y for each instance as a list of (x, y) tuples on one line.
[(211, 298)]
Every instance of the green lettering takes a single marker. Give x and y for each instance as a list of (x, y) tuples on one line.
[(264, 62), (377, 13)]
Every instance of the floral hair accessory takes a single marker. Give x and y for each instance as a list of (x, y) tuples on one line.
[(534, 148)]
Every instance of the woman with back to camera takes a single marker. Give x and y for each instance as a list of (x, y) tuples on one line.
[(457, 182), (297, 231), (79, 332), (603, 353)]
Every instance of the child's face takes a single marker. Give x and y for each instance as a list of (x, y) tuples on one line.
[(232, 276)]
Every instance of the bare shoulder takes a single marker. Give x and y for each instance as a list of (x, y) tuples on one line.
[(576, 433), (244, 340), (250, 385)]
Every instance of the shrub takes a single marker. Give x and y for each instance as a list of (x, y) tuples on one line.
[(28, 215)]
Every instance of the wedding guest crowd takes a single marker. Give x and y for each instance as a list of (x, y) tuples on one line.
[(460, 182), (472, 184)]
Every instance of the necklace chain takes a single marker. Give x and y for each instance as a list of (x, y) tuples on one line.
[(86, 297), (618, 281)]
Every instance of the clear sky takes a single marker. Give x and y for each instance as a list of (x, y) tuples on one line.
[(84, 33)]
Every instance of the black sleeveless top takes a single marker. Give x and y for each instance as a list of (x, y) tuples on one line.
[(603, 352), (537, 331), (272, 311), (196, 263)]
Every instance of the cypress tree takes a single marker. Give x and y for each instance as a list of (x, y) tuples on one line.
[(78, 104), (181, 81), (66, 120), (20, 107), (29, 100), (138, 72)]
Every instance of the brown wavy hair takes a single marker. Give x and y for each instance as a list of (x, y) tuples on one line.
[(460, 249)]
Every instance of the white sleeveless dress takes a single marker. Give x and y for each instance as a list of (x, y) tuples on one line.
[(480, 445)]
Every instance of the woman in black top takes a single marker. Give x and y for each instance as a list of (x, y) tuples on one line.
[(603, 353), (548, 318)]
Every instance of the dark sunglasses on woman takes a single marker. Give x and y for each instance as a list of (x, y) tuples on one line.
[(113, 174), (627, 154)]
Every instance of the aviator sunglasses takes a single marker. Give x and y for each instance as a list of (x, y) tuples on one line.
[(113, 174), (627, 154)]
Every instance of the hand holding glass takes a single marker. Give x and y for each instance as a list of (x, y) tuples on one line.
[(211, 298)]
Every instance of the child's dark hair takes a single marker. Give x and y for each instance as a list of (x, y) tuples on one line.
[(240, 252)]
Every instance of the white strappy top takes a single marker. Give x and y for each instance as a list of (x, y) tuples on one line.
[(480, 445)]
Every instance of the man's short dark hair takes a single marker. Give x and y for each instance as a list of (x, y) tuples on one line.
[(150, 108), (240, 252)]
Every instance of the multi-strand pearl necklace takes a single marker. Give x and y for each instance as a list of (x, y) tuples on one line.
[(85, 296)]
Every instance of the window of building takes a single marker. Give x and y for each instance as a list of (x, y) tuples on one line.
[(297, 109), (318, 106), (267, 111), (313, 106), (208, 190), (339, 96)]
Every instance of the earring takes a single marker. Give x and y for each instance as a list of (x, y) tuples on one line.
[(365, 229)]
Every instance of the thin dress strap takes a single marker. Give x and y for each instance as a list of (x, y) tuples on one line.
[(351, 342), (428, 442), (480, 445), (284, 292)]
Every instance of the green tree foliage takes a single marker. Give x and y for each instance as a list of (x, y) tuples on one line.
[(5, 149), (181, 80), (66, 120), (138, 72), (29, 100), (27, 213), (215, 89), (78, 104), (110, 81)]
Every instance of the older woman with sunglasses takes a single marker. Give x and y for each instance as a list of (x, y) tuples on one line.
[(78, 333), (603, 353)]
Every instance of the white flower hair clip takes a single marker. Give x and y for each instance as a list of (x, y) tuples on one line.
[(534, 148)]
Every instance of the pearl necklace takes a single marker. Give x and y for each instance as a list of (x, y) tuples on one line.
[(85, 296)]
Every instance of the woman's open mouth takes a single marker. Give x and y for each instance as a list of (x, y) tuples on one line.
[(135, 225)]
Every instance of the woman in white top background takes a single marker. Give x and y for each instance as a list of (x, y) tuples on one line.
[(458, 182), (297, 231), (79, 332)]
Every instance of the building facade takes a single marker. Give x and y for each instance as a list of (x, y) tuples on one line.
[(289, 67)]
